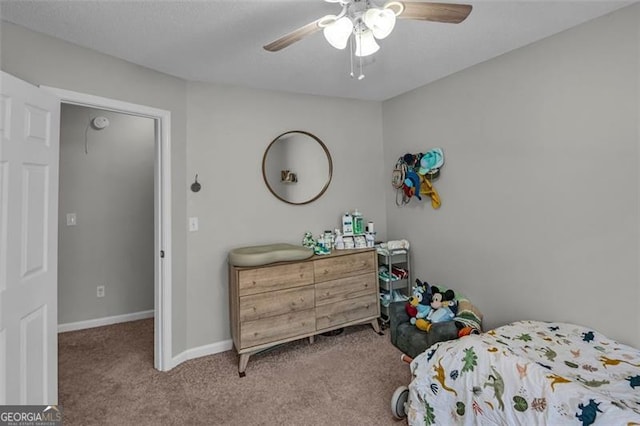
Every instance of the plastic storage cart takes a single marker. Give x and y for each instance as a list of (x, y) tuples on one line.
[(394, 279)]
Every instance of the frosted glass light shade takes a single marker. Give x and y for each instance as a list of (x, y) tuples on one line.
[(380, 21), (337, 33), (365, 43)]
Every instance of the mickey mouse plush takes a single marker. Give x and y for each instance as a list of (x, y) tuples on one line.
[(442, 306)]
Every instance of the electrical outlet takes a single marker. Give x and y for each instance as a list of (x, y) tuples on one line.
[(193, 224), (100, 291)]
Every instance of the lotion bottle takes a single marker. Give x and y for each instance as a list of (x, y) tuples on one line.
[(358, 223), (347, 225)]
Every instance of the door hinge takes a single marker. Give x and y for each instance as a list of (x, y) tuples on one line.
[(162, 254)]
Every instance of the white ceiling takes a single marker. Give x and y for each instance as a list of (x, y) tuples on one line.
[(221, 41)]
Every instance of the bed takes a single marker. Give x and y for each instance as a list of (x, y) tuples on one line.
[(526, 373)]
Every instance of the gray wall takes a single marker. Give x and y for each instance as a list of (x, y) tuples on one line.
[(110, 189), (229, 129), (540, 189), (40, 59)]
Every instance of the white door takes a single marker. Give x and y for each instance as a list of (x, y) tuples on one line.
[(29, 137)]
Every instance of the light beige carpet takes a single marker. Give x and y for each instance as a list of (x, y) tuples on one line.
[(106, 376)]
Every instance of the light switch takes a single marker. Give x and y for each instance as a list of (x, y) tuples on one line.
[(71, 219), (193, 224)]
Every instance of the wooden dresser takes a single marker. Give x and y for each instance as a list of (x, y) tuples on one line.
[(281, 302)]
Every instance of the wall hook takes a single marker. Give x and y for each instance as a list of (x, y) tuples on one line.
[(195, 186)]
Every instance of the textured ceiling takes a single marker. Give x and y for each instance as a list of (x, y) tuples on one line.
[(221, 41)]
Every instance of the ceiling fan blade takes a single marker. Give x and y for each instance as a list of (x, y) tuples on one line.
[(293, 36), (438, 12)]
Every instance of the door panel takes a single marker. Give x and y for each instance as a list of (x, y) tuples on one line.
[(35, 192), (33, 356), (3, 365), (4, 205), (29, 129), (37, 125)]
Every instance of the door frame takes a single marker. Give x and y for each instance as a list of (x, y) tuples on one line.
[(162, 210)]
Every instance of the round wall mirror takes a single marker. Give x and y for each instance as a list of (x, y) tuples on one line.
[(297, 167)]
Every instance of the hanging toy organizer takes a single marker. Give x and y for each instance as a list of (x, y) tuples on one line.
[(414, 174)]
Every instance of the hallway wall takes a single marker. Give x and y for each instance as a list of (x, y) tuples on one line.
[(107, 181)]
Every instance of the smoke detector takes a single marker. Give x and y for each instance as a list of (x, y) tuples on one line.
[(100, 123)]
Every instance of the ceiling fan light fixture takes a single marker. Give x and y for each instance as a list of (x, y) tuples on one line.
[(368, 23), (379, 21), (337, 32), (365, 43)]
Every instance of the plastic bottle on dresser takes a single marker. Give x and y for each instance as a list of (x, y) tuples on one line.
[(370, 239), (339, 242), (328, 239), (347, 224), (358, 223)]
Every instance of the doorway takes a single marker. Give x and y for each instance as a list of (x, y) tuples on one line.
[(105, 233), (161, 253)]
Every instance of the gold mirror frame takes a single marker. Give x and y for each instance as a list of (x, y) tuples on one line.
[(329, 161)]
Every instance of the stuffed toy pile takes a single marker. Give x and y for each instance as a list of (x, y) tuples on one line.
[(429, 305)]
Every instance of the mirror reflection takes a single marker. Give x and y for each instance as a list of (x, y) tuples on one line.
[(297, 167)]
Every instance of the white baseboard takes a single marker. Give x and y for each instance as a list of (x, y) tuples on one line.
[(200, 351), (99, 322)]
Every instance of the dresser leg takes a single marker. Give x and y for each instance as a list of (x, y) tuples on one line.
[(376, 326), (242, 364)]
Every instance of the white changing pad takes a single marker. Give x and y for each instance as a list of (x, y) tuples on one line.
[(270, 253)]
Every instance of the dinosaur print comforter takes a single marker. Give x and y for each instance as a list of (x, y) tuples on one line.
[(527, 373)]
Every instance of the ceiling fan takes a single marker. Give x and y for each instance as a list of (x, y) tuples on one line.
[(367, 21)]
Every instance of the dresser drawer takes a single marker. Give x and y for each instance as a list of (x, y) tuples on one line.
[(264, 305), (344, 266), (272, 329), (346, 288), (272, 278), (346, 311)]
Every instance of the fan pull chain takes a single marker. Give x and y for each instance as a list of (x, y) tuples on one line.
[(351, 53), (361, 76)]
